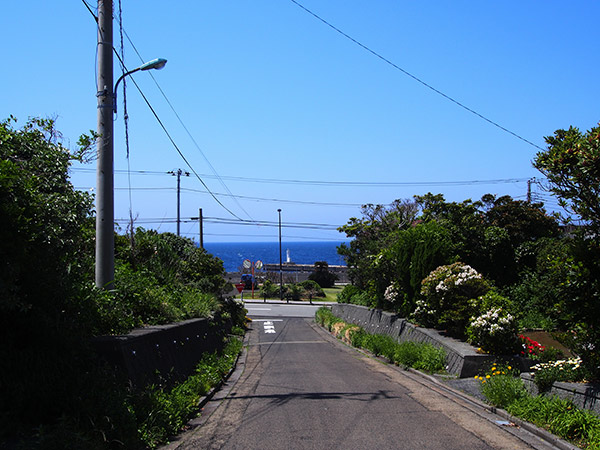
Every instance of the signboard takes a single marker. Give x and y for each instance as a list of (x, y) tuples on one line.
[(240, 287)]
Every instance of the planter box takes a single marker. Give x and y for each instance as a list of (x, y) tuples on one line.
[(462, 359)]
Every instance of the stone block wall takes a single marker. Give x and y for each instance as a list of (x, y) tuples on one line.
[(583, 395), (462, 359), (171, 351)]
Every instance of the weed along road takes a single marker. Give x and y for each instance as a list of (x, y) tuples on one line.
[(299, 388)]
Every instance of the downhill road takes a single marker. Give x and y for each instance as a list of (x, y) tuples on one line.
[(302, 389)]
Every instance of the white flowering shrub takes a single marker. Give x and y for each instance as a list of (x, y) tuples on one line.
[(392, 293), (450, 298), (545, 374), (494, 331)]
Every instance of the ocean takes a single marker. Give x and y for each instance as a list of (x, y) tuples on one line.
[(233, 254)]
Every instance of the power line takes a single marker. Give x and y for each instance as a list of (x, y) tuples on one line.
[(418, 80), (162, 125), (188, 131), (341, 183)]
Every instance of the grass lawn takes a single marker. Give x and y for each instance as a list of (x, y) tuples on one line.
[(331, 294)]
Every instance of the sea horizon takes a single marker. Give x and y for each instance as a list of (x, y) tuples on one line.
[(233, 254)]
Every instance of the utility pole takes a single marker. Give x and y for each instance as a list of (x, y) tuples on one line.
[(531, 180), (105, 208), (280, 260), (178, 174), (200, 220)]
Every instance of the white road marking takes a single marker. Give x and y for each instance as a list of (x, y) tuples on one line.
[(269, 327)]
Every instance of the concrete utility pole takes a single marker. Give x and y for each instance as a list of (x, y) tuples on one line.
[(178, 174), (105, 208), (280, 261)]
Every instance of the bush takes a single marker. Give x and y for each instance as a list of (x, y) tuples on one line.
[(546, 373), (495, 332), (322, 276), (450, 298), (431, 359), (503, 389), (313, 288), (269, 290), (560, 417)]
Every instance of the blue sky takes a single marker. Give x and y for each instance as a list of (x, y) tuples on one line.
[(268, 92)]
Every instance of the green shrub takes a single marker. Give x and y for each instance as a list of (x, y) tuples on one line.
[(325, 318), (162, 412), (347, 293), (450, 298), (503, 389), (407, 354), (312, 287), (380, 345), (431, 359), (269, 290), (358, 337)]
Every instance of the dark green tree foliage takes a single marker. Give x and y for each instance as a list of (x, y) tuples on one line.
[(572, 165), (322, 276), (173, 260), (415, 252), (492, 235), (370, 235), (49, 307), (45, 254)]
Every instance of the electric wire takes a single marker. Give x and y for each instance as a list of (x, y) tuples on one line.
[(188, 131), (437, 91), (164, 127), (340, 183)]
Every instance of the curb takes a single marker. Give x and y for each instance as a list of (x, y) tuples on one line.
[(217, 393)]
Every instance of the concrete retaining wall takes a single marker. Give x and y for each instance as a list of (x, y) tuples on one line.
[(166, 351), (583, 395), (462, 359)]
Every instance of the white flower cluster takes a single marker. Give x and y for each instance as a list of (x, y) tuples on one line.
[(561, 364), (493, 321), (391, 293), (464, 274), (422, 309)]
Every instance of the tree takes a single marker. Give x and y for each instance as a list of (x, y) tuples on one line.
[(572, 165), (370, 234), (322, 276)]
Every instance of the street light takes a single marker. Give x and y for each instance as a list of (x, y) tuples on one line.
[(280, 261), (107, 106), (155, 64)]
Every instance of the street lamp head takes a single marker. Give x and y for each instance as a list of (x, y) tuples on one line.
[(157, 64)]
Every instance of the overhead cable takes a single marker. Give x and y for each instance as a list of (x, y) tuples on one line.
[(418, 80)]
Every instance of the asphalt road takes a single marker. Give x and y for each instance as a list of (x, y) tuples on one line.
[(280, 309), (302, 389)]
